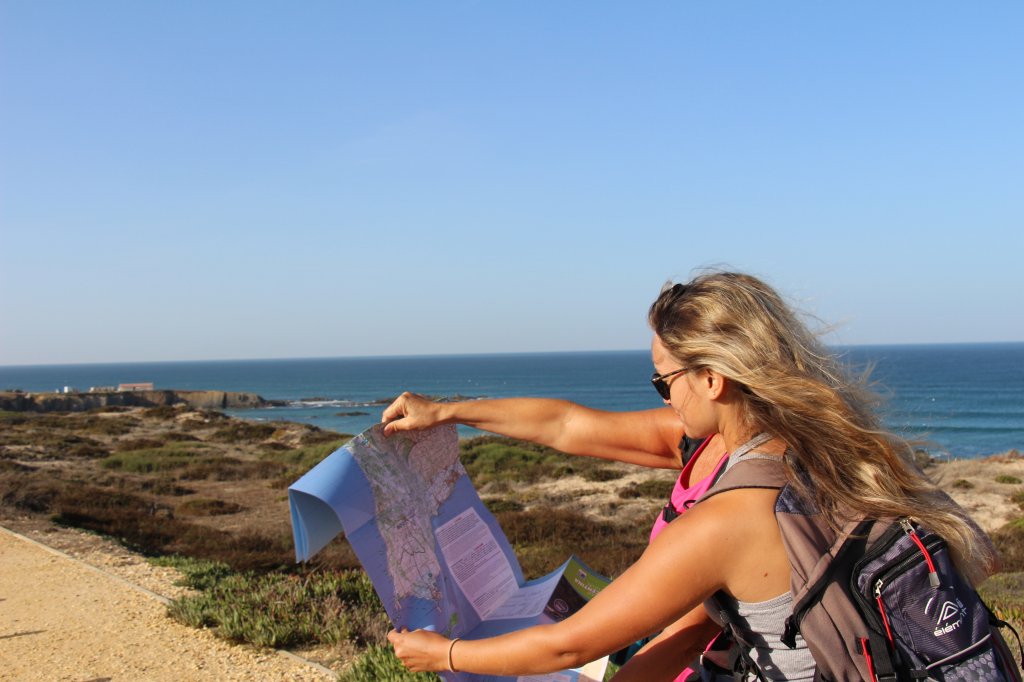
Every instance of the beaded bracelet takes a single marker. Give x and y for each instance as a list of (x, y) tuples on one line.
[(451, 667)]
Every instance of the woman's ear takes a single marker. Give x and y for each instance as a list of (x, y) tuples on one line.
[(713, 383)]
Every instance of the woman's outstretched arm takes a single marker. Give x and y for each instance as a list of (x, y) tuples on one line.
[(646, 437)]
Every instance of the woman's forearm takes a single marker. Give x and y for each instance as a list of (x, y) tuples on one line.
[(526, 652), (665, 656), (534, 650)]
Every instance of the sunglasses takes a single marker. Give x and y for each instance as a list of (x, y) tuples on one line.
[(661, 386)]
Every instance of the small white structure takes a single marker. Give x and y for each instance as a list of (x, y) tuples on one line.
[(146, 386)]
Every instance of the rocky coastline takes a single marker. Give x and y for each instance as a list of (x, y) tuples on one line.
[(16, 401)]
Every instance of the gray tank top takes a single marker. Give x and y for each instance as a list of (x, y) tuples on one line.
[(762, 623)]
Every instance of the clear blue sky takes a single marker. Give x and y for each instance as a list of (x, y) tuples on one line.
[(268, 179)]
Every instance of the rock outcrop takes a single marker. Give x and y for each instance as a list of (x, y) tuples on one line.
[(80, 402)]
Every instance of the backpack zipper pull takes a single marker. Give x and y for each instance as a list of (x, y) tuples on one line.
[(881, 608), (933, 577)]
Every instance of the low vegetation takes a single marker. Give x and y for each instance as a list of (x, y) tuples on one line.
[(193, 490), (281, 610), (652, 487)]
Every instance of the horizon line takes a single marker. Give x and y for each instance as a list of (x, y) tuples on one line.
[(409, 356)]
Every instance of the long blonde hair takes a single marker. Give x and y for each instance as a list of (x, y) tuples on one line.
[(792, 387)]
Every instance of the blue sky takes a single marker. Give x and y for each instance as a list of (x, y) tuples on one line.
[(269, 179)]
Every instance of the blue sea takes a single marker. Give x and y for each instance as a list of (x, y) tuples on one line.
[(966, 400)]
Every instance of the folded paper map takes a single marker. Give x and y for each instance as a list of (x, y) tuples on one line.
[(436, 556)]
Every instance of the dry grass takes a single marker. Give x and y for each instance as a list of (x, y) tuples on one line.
[(168, 481)]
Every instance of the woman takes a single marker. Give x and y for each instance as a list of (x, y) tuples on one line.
[(652, 438), (738, 362)]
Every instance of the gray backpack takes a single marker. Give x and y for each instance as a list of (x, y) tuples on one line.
[(880, 600)]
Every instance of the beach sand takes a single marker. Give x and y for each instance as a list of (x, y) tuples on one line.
[(62, 618)]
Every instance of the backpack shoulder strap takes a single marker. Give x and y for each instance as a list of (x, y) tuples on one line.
[(750, 471)]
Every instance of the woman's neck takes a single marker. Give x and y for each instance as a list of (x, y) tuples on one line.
[(736, 436)]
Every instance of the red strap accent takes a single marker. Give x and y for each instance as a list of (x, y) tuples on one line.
[(927, 556), (867, 657), (885, 619)]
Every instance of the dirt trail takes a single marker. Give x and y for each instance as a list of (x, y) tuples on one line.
[(62, 619)]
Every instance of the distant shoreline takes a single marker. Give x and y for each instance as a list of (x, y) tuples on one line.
[(79, 401), (482, 354)]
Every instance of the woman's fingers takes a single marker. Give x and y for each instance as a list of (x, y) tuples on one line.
[(416, 650), (408, 412)]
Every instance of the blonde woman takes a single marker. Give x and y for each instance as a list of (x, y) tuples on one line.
[(737, 362)]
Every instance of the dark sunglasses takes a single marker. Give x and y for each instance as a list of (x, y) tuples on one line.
[(661, 386)]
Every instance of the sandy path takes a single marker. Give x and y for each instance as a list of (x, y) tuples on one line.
[(61, 619)]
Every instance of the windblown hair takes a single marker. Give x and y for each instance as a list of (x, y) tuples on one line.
[(839, 456)]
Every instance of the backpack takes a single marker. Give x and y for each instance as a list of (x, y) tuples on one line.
[(880, 600)]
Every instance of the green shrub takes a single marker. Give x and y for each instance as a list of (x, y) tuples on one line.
[(179, 436), (139, 444), (1004, 593), (295, 463), (1006, 478), (164, 486), (109, 426), (9, 418), (544, 538), (305, 458), (602, 474), (164, 412), (148, 460), (52, 444), (652, 487), (280, 610), (81, 450), (241, 431), (488, 459), (962, 484), (31, 493), (147, 527), (229, 469), (199, 574), (503, 504), (1009, 542), (379, 664)]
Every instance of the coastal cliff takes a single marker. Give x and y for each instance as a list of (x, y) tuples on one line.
[(81, 402)]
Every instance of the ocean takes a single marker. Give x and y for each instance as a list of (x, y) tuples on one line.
[(966, 400)]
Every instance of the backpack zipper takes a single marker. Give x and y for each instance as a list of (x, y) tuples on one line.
[(895, 567), (881, 608), (933, 577), (881, 545)]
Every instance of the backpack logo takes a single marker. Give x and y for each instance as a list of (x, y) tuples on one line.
[(951, 615)]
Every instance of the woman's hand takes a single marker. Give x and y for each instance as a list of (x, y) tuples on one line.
[(411, 412), (421, 650)]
